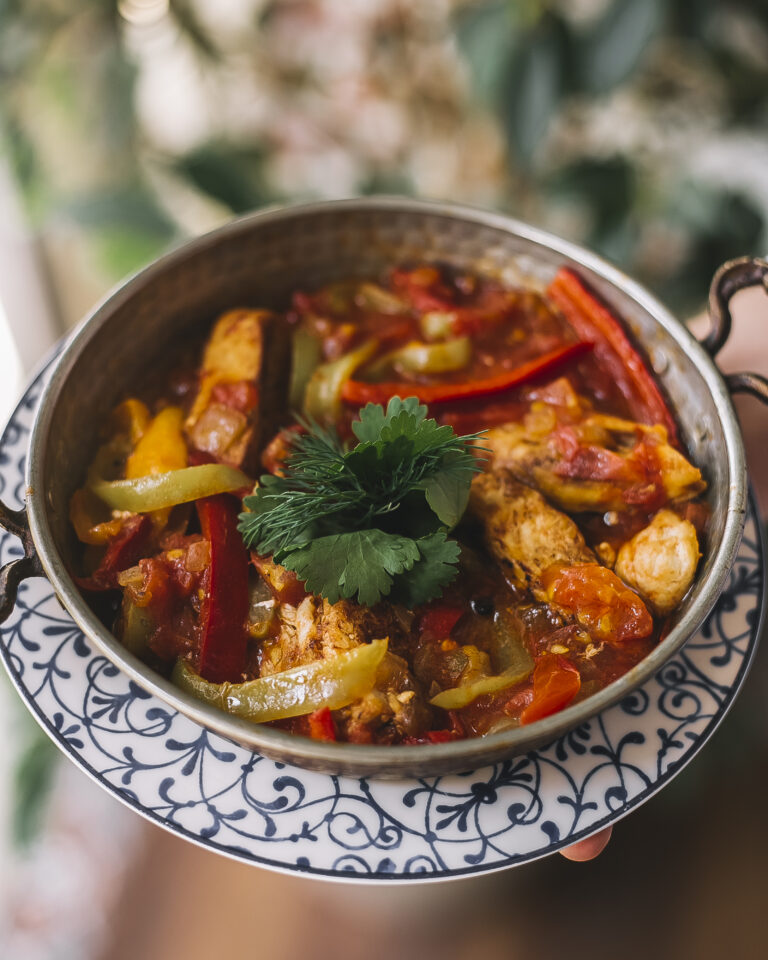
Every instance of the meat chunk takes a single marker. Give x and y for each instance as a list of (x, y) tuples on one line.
[(660, 561), (523, 531), (592, 463), (242, 387), (317, 629), (394, 709)]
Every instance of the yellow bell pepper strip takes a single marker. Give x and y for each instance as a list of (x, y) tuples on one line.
[(161, 447), (224, 607), (332, 683), (322, 398), (155, 492), (131, 417), (417, 357), (458, 697), (84, 510)]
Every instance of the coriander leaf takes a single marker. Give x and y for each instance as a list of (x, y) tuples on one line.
[(360, 565), (368, 427), (447, 492), (412, 517), (428, 577), (373, 420), (348, 521)]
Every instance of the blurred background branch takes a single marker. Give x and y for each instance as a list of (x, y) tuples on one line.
[(639, 127)]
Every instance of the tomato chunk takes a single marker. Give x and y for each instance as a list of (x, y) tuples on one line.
[(555, 683), (600, 601), (321, 725)]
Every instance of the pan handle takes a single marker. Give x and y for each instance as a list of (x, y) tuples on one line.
[(733, 276), (12, 573)]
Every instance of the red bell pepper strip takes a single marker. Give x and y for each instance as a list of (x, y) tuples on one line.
[(592, 320), (125, 550), (224, 609), (358, 393), (437, 622), (555, 683), (321, 725)]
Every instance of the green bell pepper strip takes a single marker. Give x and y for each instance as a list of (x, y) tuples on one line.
[(417, 357), (305, 356), (137, 626), (160, 490), (437, 324), (332, 683), (458, 697), (322, 398)]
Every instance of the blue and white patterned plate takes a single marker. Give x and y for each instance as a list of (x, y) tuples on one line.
[(222, 796)]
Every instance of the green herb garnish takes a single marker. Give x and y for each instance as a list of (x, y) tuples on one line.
[(371, 521)]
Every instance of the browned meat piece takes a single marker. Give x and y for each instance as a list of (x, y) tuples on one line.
[(317, 629), (394, 709), (595, 463), (242, 389), (660, 562), (523, 532)]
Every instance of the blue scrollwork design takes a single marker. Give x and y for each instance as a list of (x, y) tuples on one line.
[(232, 800)]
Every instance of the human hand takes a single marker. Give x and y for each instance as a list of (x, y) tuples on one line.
[(588, 849)]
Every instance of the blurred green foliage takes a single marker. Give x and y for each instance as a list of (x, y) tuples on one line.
[(605, 107), (546, 76)]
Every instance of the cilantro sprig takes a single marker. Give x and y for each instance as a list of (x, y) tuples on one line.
[(371, 521)]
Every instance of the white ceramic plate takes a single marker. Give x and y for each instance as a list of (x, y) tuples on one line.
[(230, 800)]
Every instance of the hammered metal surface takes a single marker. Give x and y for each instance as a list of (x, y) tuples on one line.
[(259, 261)]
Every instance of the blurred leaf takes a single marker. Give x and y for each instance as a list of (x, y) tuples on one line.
[(605, 186), (387, 181), (128, 206), (21, 152), (721, 225), (746, 91), (535, 85), (116, 77), (232, 175), (690, 18), (32, 782), (126, 226), (615, 45), (123, 249), (485, 33)]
